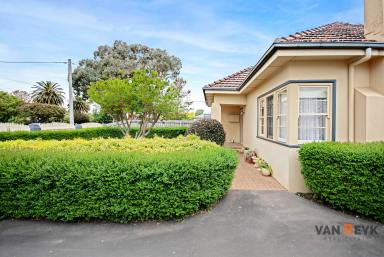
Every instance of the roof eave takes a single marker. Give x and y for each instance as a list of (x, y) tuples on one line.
[(308, 45), (218, 89), (297, 45)]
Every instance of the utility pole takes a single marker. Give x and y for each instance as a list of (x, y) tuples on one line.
[(70, 93)]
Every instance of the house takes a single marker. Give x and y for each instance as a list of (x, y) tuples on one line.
[(322, 84)]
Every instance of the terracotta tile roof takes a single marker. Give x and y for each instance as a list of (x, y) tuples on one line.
[(232, 81), (337, 32), (334, 32)]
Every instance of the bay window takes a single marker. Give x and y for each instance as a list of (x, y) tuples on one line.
[(297, 113)]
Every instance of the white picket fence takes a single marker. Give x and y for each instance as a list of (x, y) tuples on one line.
[(7, 127), (167, 123), (162, 123), (91, 125), (55, 126)]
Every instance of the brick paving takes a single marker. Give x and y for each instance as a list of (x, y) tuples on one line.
[(248, 178)]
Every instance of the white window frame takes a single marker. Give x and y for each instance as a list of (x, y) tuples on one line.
[(273, 115), (262, 125), (326, 114), (279, 115)]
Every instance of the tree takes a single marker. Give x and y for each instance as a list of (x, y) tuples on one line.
[(8, 107), (48, 92), (80, 105), (119, 60), (117, 98), (144, 96), (38, 112), (22, 95)]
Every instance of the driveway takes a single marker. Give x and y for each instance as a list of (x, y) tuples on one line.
[(244, 223)]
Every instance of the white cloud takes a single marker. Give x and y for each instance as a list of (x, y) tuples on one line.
[(58, 15)]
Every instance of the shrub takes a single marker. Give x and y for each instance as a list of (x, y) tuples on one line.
[(80, 117), (88, 133), (8, 107), (211, 130), (101, 117), (118, 180), (40, 113), (347, 176)]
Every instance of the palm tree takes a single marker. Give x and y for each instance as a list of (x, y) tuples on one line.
[(48, 92), (79, 105)]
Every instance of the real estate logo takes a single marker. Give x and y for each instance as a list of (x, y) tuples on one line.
[(347, 231)]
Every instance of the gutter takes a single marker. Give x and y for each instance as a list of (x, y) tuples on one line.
[(351, 92)]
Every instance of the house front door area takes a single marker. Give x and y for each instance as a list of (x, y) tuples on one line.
[(231, 118)]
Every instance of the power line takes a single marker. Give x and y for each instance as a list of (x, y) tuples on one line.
[(29, 62), (18, 81), (69, 63)]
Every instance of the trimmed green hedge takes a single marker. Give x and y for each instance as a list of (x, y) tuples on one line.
[(347, 176), (88, 133), (113, 185)]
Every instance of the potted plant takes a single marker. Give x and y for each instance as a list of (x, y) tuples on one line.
[(266, 170), (248, 155), (254, 156), (263, 167)]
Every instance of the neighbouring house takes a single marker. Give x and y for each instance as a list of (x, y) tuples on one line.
[(322, 84)]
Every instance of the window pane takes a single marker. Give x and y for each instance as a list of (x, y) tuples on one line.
[(313, 105), (262, 116), (312, 127), (283, 110), (283, 103), (270, 117), (313, 100)]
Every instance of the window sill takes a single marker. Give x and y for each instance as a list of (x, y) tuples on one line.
[(278, 142)]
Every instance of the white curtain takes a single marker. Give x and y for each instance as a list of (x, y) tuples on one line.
[(312, 114)]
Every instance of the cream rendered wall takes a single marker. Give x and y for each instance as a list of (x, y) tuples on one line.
[(216, 111), (369, 102), (362, 75), (222, 99), (283, 159), (377, 75), (231, 127), (374, 19), (360, 116), (369, 119)]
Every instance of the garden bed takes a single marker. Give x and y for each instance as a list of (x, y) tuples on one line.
[(118, 180)]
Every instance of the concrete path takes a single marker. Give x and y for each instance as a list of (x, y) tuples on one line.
[(244, 223)]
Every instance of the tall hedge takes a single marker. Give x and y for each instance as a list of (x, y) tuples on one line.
[(347, 176), (117, 185), (88, 133)]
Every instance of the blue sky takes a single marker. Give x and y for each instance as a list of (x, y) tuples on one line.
[(212, 38)]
